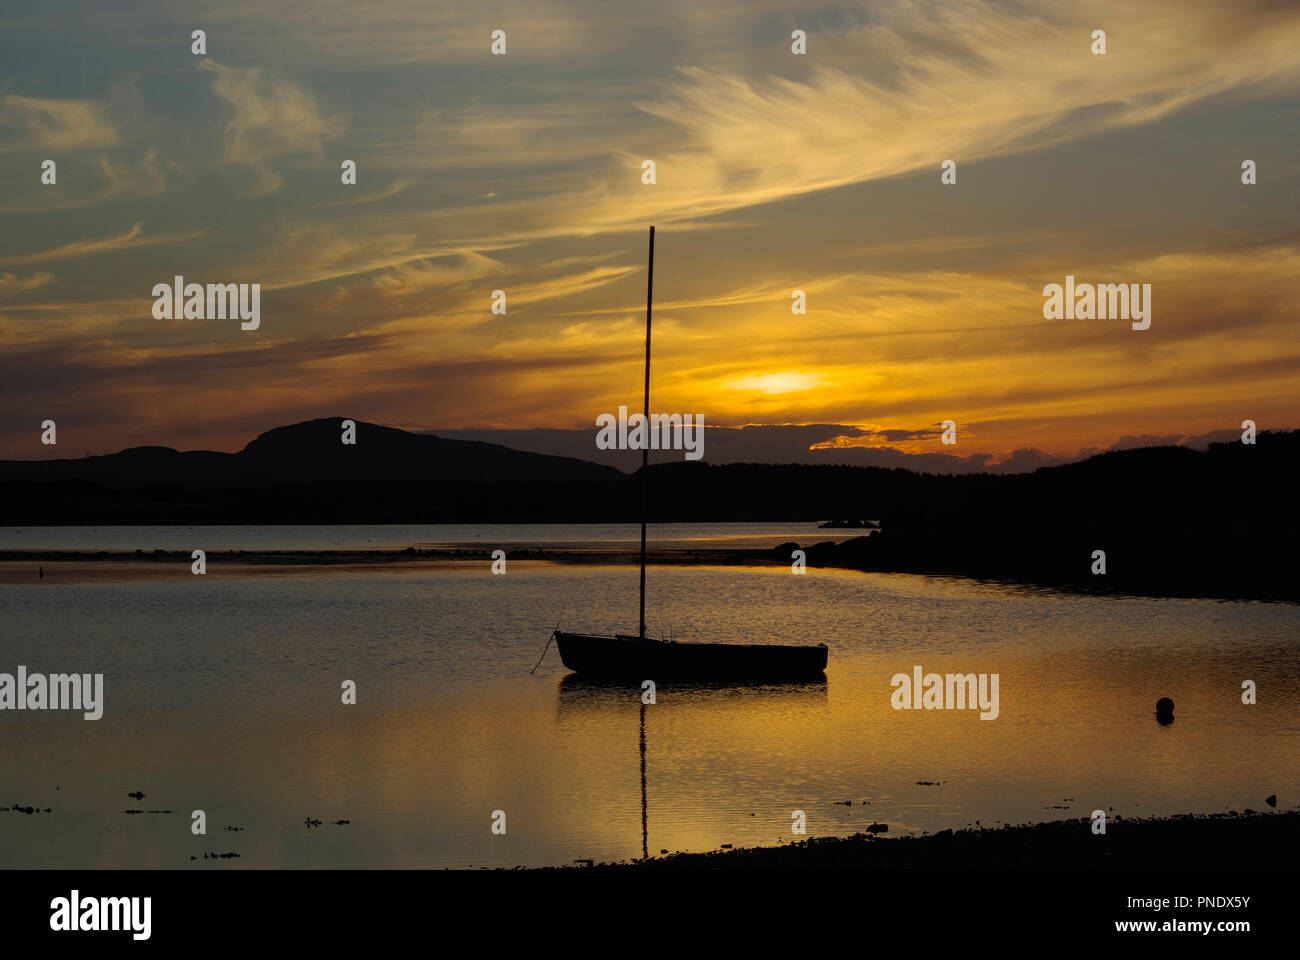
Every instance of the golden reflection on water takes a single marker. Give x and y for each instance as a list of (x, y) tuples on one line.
[(449, 726)]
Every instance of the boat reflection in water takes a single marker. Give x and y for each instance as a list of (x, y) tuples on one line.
[(606, 701)]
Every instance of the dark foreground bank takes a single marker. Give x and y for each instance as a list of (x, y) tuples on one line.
[(1229, 841)]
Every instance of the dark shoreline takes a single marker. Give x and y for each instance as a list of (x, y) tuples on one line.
[(1229, 841), (826, 554), (617, 556)]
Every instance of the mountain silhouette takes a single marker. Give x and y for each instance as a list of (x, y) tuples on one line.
[(301, 473)]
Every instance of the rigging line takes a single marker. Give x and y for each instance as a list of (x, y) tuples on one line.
[(545, 648), (645, 448)]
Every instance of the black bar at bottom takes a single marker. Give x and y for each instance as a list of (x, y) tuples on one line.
[(834, 910)]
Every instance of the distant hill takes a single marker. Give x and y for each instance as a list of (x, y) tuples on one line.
[(1170, 520), (295, 474)]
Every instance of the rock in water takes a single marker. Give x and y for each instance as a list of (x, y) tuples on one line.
[(1164, 707), (1271, 801)]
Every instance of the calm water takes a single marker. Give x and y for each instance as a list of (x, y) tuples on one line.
[(223, 694)]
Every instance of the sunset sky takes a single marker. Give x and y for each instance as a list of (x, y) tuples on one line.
[(774, 172)]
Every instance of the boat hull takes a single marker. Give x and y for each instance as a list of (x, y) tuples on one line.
[(636, 658)]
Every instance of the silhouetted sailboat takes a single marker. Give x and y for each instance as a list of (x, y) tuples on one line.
[(643, 658)]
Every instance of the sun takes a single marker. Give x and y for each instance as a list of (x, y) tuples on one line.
[(785, 381)]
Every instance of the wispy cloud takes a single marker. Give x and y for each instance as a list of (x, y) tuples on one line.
[(34, 123), (134, 237), (143, 179), (272, 117), (392, 190), (976, 82), (12, 283)]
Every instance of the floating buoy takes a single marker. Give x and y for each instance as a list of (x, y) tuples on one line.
[(1165, 710)]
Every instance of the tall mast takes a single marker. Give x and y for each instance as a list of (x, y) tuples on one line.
[(645, 450)]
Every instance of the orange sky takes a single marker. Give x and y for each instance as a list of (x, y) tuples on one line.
[(774, 172)]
